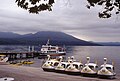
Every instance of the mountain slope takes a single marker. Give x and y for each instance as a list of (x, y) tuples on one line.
[(8, 35), (40, 38)]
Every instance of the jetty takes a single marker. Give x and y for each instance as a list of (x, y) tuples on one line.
[(13, 55)]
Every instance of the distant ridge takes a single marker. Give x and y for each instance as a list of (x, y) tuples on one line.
[(109, 43), (40, 38), (8, 35)]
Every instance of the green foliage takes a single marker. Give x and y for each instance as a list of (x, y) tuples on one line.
[(109, 7), (35, 6)]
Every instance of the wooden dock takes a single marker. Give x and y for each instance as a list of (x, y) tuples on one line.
[(20, 55), (13, 55)]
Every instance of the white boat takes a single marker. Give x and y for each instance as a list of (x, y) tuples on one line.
[(90, 69), (106, 70), (7, 79), (61, 66), (50, 64), (52, 50), (74, 67), (3, 59)]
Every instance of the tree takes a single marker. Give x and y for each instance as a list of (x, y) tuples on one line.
[(109, 6), (36, 6)]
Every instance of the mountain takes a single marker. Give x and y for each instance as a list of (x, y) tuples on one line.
[(109, 43), (40, 38), (8, 35)]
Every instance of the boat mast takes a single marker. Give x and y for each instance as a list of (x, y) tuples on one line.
[(48, 42)]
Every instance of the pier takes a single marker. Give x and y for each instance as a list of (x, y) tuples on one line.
[(13, 55), (20, 55)]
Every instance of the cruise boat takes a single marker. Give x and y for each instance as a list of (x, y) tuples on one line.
[(90, 69), (74, 67), (3, 59), (52, 50), (106, 70), (50, 64)]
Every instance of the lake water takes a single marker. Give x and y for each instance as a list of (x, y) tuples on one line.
[(81, 52)]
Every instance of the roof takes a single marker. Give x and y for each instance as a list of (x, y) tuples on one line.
[(78, 63), (107, 65), (64, 63), (52, 61), (91, 64), (48, 46)]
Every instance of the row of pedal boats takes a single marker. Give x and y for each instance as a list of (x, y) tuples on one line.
[(73, 67)]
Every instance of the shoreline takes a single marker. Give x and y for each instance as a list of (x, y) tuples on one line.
[(25, 73)]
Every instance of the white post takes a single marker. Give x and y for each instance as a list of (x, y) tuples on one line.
[(29, 49), (32, 48)]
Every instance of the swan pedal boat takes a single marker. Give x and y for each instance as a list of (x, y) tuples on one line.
[(90, 69), (74, 68), (106, 70), (61, 67), (50, 65)]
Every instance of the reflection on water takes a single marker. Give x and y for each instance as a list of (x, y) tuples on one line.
[(95, 52), (81, 52)]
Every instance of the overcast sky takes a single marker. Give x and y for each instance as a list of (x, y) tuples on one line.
[(70, 17)]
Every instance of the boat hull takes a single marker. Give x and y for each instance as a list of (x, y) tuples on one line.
[(89, 74), (106, 76), (72, 73), (44, 55), (60, 71), (52, 54), (48, 69)]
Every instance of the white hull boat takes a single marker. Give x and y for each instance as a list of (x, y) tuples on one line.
[(106, 70), (90, 69)]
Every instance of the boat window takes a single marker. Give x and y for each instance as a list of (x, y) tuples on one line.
[(56, 63), (63, 65), (68, 65), (76, 66), (52, 47), (108, 68), (96, 67), (91, 67), (49, 48), (48, 62)]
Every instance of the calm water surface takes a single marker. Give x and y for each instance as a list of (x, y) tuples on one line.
[(81, 52)]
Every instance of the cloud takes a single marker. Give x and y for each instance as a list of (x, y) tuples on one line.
[(70, 17)]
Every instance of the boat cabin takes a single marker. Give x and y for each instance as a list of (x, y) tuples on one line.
[(78, 65), (108, 67), (92, 66)]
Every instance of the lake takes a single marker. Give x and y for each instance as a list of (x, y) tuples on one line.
[(80, 53)]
